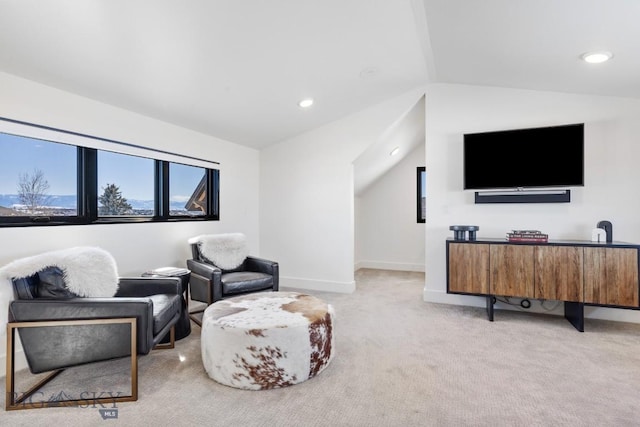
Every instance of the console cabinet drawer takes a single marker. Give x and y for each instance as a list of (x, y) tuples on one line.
[(559, 273), (512, 270), (468, 268), (611, 276)]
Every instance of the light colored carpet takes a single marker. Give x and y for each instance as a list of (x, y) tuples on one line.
[(399, 362)]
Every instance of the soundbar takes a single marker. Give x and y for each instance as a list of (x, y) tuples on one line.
[(523, 196)]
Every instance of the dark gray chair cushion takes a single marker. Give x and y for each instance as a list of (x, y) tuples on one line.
[(165, 307), (246, 281)]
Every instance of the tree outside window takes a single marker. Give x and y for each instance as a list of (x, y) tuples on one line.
[(33, 192), (112, 203)]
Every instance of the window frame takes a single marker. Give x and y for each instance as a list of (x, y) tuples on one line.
[(87, 187), (98, 192), (420, 170)]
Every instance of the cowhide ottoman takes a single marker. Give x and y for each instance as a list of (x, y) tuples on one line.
[(267, 340)]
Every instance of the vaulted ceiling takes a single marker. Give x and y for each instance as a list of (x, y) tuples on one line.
[(237, 69)]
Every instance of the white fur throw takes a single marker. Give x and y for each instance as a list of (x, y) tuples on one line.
[(88, 272), (226, 251)]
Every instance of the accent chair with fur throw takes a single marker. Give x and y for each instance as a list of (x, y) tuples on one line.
[(221, 267), (71, 308)]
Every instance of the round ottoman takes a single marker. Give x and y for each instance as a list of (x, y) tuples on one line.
[(267, 340)]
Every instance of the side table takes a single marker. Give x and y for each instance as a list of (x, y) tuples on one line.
[(183, 327)]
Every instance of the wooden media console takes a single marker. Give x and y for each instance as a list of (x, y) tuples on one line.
[(578, 273)]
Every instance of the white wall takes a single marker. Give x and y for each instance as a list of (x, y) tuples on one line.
[(136, 247), (388, 235), (612, 130), (307, 199)]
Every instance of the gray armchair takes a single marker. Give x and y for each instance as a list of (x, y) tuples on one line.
[(210, 283), (59, 331)]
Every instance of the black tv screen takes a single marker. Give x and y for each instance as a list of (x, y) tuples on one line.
[(525, 158)]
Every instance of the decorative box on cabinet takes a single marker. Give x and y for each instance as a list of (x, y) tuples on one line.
[(578, 273)]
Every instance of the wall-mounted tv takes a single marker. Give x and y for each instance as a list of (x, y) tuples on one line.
[(525, 158)]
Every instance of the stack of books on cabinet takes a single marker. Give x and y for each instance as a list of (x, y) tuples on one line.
[(535, 236)]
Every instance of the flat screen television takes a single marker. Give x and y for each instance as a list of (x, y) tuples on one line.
[(525, 158)]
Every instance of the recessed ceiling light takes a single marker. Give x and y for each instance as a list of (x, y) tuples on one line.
[(394, 151), (306, 103), (596, 57)]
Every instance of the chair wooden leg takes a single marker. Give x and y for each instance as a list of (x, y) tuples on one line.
[(13, 402), (172, 340), (193, 314), (196, 320)]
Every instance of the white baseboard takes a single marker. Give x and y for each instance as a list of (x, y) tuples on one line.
[(383, 265), (590, 312), (317, 285), (442, 297), (615, 314)]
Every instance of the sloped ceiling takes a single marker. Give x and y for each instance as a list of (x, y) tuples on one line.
[(232, 69), (236, 69), (400, 138)]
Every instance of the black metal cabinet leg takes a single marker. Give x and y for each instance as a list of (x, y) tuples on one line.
[(490, 300), (574, 313)]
